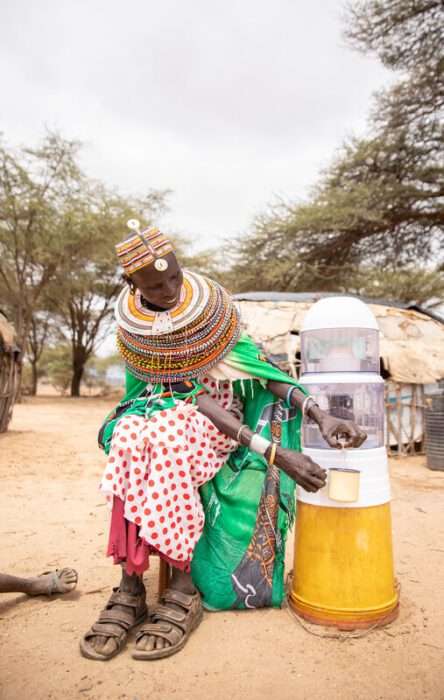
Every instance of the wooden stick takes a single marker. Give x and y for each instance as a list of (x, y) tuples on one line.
[(390, 425), (399, 415), (164, 577), (422, 400), (413, 418)]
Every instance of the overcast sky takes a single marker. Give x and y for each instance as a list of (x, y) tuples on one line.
[(226, 103)]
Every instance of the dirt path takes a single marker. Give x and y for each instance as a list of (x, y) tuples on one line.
[(52, 515)]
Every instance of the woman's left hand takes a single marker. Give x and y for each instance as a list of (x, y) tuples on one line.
[(340, 433)]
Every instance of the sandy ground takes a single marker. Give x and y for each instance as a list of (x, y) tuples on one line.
[(52, 515)]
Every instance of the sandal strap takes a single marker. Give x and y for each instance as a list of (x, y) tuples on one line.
[(117, 617), (172, 624), (171, 633), (162, 613), (191, 606), (184, 600), (102, 630), (135, 605), (131, 600)]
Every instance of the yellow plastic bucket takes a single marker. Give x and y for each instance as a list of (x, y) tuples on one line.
[(343, 566)]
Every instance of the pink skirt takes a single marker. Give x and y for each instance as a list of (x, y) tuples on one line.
[(126, 546)]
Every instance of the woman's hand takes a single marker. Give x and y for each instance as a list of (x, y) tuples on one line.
[(338, 432), (335, 431), (301, 468)]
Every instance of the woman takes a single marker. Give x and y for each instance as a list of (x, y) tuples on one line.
[(192, 474)]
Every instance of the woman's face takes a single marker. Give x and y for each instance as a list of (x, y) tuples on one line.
[(161, 289)]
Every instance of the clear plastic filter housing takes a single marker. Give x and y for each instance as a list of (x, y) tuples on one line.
[(340, 350), (362, 403)]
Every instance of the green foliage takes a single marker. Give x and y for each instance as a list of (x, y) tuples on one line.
[(409, 285), (56, 367), (404, 34), (57, 259), (380, 203), (34, 186)]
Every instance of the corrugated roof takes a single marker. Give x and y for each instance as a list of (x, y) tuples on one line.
[(7, 333)]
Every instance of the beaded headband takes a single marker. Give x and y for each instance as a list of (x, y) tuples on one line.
[(143, 248)]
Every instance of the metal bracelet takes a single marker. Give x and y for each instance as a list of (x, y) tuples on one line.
[(304, 404), (289, 395), (272, 454), (259, 444), (239, 433)]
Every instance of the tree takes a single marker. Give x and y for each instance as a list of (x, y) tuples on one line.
[(55, 365), (88, 278), (57, 235), (34, 184), (43, 328), (381, 201)]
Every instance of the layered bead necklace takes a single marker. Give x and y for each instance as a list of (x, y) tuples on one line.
[(190, 348)]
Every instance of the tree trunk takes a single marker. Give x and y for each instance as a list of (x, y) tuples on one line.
[(22, 330), (18, 387), (77, 373), (79, 358), (34, 380)]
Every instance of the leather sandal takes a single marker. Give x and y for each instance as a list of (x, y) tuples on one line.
[(125, 619), (173, 625)]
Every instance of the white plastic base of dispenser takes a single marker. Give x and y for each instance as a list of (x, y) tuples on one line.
[(374, 486)]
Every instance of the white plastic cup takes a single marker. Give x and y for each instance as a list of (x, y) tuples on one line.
[(343, 484)]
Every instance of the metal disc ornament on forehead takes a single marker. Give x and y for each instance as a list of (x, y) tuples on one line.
[(161, 264), (133, 224)]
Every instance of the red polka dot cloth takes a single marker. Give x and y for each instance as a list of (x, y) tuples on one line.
[(156, 466)]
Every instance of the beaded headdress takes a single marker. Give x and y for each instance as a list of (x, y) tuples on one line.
[(143, 248)]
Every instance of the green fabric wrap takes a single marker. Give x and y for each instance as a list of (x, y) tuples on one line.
[(232, 499), (231, 503)]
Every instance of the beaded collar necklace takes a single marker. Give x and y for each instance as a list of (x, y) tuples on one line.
[(180, 343)]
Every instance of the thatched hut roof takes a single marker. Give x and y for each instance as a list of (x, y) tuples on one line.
[(7, 335), (411, 341)]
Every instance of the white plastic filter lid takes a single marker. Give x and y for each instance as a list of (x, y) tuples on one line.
[(339, 312)]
